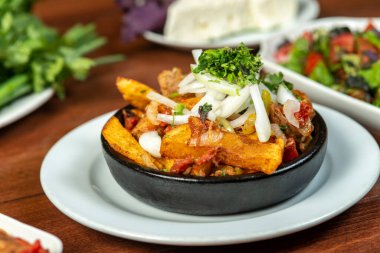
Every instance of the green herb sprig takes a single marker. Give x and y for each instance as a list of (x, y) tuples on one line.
[(235, 65), (203, 111), (34, 57)]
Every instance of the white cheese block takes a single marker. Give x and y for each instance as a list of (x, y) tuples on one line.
[(206, 20)]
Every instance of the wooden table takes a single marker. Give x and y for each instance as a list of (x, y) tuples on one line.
[(24, 144)]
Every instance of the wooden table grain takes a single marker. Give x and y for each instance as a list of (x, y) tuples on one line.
[(24, 144)]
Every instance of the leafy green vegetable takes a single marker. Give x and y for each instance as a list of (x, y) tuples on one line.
[(34, 57), (273, 81), (372, 38), (321, 43), (322, 74), (297, 55), (372, 75), (351, 64), (203, 111), (236, 65), (178, 110)]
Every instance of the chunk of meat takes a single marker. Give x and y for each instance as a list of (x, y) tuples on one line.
[(169, 80)]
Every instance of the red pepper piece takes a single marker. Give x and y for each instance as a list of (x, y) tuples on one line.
[(290, 151), (312, 61)]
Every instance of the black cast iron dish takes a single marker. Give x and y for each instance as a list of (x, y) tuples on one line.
[(218, 195)]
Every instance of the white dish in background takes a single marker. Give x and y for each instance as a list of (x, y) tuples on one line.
[(23, 106), (309, 9), (30, 234), (82, 187), (363, 112)]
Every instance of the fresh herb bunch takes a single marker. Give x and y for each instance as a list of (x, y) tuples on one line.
[(273, 81), (34, 57), (236, 65)]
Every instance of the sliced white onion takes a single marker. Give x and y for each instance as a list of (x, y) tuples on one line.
[(245, 105), (216, 94), (291, 107), (277, 131), (209, 99), (196, 53), (217, 84), (154, 96), (151, 143), (284, 94), (190, 87), (238, 122), (262, 123), (232, 103), (177, 120), (187, 80), (272, 95)]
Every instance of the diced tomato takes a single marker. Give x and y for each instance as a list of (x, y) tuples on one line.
[(35, 248), (130, 122), (282, 53), (363, 46), (311, 62), (290, 150), (370, 26), (342, 43), (180, 165), (308, 36), (303, 115)]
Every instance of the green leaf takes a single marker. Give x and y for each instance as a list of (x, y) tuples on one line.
[(372, 75), (322, 74), (297, 55), (372, 38), (273, 81)]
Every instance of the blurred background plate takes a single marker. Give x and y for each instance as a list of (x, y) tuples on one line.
[(363, 112), (23, 106), (309, 9), (30, 234)]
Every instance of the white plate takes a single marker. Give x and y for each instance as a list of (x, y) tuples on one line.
[(30, 234), (309, 9), (23, 106), (76, 179), (363, 112)]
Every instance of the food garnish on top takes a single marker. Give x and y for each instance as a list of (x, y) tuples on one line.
[(226, 117), (344, 60)]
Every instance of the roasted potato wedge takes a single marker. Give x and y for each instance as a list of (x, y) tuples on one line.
[(122, 141), (134, 92), (237, 150)]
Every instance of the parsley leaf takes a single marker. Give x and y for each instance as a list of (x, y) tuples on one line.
[(273, 81), (203, 111)]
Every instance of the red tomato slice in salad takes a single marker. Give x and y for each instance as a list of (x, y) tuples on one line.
[(312, 60), (342, 43), (282, 53)]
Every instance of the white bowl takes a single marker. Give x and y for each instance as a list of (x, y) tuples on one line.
[(363, 112), (30, 234)]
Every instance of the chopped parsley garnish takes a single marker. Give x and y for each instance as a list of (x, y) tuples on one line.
[(273, 81), (174, 95), (178, 110), (203, 111), (235, 65)]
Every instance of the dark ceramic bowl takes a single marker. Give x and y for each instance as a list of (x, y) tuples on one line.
[(218, 195)]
